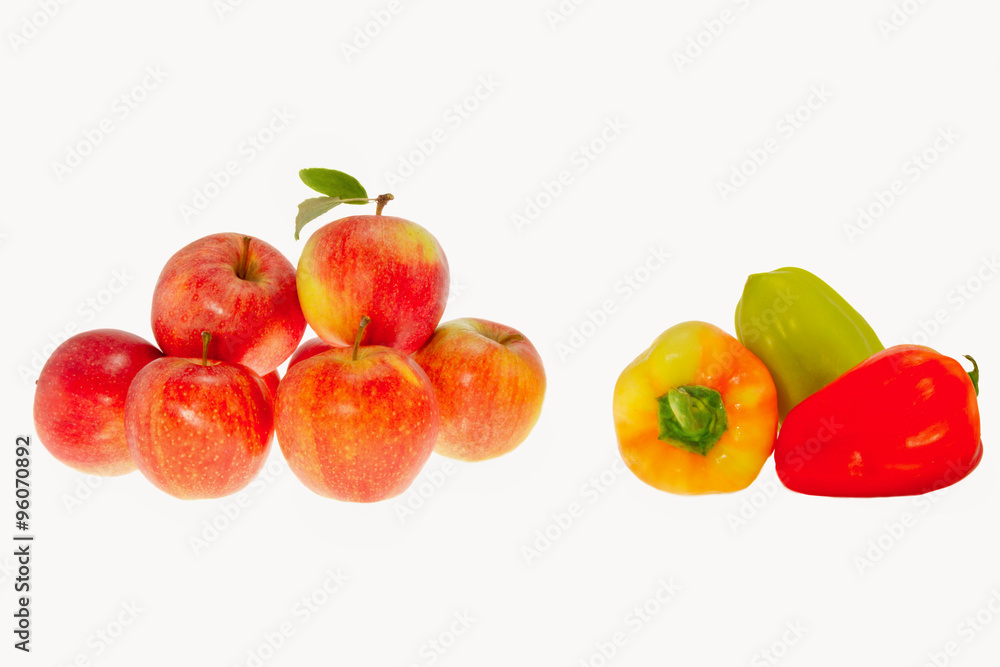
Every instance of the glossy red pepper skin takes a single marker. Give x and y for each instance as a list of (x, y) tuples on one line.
[(903, 422)]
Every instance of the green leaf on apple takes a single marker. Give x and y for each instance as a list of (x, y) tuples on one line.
[(333, 183), (311, 209), (339, 188)]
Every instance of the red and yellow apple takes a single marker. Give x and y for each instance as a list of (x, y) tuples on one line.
[(198, 428), (356, 424), (490, 384), (239, 288), (79, 406), (390, 269), (271, 381), (309, 349)]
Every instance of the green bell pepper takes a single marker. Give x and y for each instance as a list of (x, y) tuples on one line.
[(805, 333)]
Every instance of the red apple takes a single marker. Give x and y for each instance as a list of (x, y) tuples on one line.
[(79, 405), (271, 380), (489, 383), (198, 428), (239, 288), (387, 268), (356, 424), (309, 349)]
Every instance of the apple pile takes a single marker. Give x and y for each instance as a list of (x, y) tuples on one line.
[(360, 408)]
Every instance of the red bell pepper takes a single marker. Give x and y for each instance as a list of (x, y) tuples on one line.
[(903, 422)]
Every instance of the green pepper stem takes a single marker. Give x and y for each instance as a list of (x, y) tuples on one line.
[(974, 373), (692, 418)]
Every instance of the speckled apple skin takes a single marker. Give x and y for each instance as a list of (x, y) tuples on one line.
[(390, 269), (359, 430), (490, 385), (198, 431), (309, 349), (79, 407), (271, 381), (255, 321)]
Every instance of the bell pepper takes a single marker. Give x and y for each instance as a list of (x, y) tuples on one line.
[(805, 333), (903, 422), (696, 412)]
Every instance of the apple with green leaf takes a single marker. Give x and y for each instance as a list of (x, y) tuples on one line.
[(490, 383), (239, 288), (384, 267), (198, 428), (357, 423)]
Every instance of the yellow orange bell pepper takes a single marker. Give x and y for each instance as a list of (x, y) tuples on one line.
[(696, 413)]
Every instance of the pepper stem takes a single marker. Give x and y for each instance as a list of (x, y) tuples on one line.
[(974, 373), (692, 418), (206, 337), (357, 339)]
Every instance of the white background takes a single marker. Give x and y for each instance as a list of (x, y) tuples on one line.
[(860, 589)]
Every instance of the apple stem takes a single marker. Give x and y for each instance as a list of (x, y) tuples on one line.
[(382, 200), (511, 338), (205, 338), (241, 272), (357, 339)]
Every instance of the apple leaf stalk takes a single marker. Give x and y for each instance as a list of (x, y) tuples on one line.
[(206, 338), (241, 272), (382, 200), (357, 339), (339, 188), (509, 339)]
